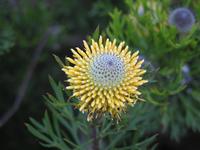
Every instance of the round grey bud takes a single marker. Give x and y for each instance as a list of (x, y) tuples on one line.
[(182, 18)]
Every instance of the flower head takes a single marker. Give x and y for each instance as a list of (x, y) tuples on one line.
[(105, 78), (182, 18)]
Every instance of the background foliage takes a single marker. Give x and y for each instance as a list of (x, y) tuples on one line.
[(171, 56)]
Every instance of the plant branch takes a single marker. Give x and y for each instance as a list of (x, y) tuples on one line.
[(24, 84)]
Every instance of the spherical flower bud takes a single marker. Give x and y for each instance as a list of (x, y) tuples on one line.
[(182, 18)]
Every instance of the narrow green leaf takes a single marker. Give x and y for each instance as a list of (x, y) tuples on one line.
[(37, 134), (48, 126), (57, 89), (59, 61), (36, 124)]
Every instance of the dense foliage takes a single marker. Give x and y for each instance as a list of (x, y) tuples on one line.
[(172, 60), (69, 129)]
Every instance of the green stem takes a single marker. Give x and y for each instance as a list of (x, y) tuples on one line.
[(95, 143)]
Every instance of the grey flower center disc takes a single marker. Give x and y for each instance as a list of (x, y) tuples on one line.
[(107, 70)]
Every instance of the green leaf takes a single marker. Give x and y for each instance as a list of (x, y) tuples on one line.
[(38, 134), (36, 124), (147, 142), (57, 89), (47, 125), (59, 61)]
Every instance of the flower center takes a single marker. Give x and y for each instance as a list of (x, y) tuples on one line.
[(107, 70)]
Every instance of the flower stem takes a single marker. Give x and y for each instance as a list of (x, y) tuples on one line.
[(95, 143)]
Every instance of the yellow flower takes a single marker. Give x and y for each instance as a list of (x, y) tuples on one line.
[(104, 77)]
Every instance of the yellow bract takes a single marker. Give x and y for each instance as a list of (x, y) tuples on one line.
[(117, 71)]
